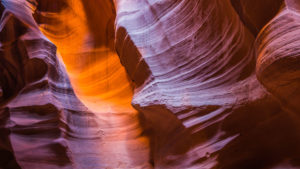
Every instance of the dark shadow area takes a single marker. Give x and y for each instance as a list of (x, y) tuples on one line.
[(51, 5), (7, 158), (267, 137), (101, 21), (256, 13), (167, 134), (12, 57), (135, 65)]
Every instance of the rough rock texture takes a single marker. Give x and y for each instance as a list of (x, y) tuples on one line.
[(214, 84)]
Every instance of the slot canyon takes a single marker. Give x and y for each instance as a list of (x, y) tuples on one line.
[(149, 84)]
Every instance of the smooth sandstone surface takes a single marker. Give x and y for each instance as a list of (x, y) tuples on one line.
[(47, 125), (177, 84)]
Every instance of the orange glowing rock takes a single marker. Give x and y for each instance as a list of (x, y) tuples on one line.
[(149, 84)]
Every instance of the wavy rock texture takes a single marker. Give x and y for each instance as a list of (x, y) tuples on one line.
[(255, 14), (46, 126), (197, 63), (214, 84), (277, 49), (98, 78)]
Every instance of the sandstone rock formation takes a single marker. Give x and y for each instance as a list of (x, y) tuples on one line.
[(153, 84), (46, 125)]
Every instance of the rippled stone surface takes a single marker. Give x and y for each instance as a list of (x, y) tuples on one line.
[(153, 84), (200, 61), (45, 124)]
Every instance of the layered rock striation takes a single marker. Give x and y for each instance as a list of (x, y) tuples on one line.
[(45, 124), (200, 61), (153, 84)]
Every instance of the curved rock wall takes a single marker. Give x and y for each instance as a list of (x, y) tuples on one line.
[(278, 56), (48, 125), (153, 84), (199, 61), (99, 80)]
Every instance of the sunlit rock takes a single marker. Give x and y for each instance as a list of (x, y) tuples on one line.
[(149, 84)]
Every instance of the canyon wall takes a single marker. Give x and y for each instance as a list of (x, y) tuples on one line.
[(150, 84)]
